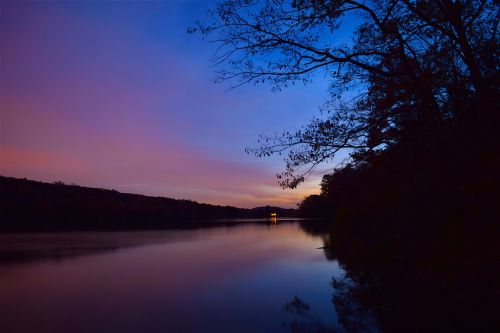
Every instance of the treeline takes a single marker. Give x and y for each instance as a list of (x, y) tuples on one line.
[(422, 200), (417, 231), (414, 212), (413, 101), (416, 228), (27, 205)]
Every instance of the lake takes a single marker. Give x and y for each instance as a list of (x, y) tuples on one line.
[(223, 279)]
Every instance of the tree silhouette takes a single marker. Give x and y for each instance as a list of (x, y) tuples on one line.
[(412, 69)]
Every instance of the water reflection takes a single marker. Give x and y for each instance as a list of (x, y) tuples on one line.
[(221, 279), (17, 248), (391, 295), (23, 248), (250, 278)]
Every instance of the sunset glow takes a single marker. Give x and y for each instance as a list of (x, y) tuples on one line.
[(118, 95)]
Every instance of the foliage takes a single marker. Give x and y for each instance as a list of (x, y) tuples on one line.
[(413, 214), (412, 70), (27, 205)]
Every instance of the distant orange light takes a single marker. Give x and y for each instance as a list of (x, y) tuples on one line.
[(273, 215)]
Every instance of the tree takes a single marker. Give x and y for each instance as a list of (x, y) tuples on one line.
[(413, 69)]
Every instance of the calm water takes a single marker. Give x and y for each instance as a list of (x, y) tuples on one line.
[(210, 280)]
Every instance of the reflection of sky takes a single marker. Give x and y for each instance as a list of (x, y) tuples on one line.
[(214, 280), (118, 95)]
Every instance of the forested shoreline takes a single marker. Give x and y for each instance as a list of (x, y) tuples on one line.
[(413, 213), (27, 205), (413, 102)]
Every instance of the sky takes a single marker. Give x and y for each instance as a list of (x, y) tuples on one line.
[(118, 95)]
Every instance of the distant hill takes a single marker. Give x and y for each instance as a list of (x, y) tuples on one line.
[(27, 205)]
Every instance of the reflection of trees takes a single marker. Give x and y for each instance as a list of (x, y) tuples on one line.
[(402, 300), (353, 316), (394, 295), (305, 320)]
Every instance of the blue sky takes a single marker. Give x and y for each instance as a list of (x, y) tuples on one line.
[(119, 95)]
